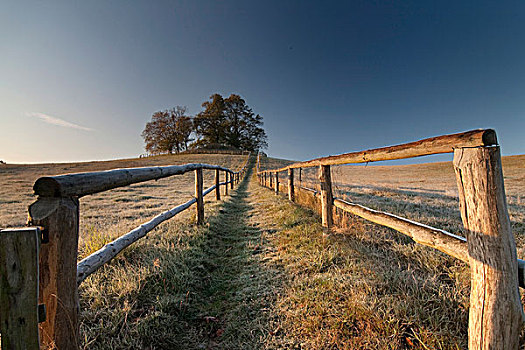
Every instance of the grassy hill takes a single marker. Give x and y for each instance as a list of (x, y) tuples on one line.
[(262, 273)]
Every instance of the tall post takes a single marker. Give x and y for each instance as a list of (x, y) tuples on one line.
[(59, 216), (198, 196), (327, 198), (231, 181), (19, 288), (496, 313), (276, 182), (271, 179), (226, 183), (291, 190), (300, 176), (217, 185)]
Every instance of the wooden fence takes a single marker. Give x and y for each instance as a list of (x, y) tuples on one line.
[(495, 314), (39, 273)]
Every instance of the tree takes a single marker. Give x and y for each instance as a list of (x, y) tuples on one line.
[(229, 122), (210, 124), (243, 128), (168, 131)]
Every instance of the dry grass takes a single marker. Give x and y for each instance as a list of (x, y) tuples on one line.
[(424, 192), (112, 213), (262, 273)]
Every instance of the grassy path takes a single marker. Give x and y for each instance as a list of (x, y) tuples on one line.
[(262, 275)]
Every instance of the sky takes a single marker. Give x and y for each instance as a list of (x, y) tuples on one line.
[(80, 79)]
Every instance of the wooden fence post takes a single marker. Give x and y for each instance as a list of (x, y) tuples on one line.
[(327, 198), (198, 196), (226, 183), (217, 185), (19, 288), (496, 313), (276, 182), (231, 180), (291, 190), (270, 175), (300, 176), (59, 216)]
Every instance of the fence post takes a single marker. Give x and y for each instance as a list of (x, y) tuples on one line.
[(271, 179), (198, 195), (276, 182), (300, 176), (231, 180), (19, 288), (327, 198), (496, 313), (217, 185), (291, 190), (226, 183), (59, 216)]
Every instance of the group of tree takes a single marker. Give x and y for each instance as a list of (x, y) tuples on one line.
[(224, 123)]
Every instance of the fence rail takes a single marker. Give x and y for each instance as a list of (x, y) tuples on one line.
[(495, 313), (50, 261)]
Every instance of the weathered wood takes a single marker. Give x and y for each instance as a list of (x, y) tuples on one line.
[(433, 145), (496, 313), (199, 196), (226, 181), (300, 176), (58, 269), (19, 288), (231, 180), (291, 190), (276, 182), (82, 184), (327, 198), (441, 240), (93, 262), (270, 176), (217, 185)]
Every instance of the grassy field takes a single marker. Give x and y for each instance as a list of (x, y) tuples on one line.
[(423, 192), (112, 213), (262, 273)]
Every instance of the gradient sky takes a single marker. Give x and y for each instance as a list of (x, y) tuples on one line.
[(80, 79)]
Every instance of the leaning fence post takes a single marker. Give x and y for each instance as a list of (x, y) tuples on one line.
[(217, 185), (59, 216), (198, 196), (19, 288), (276, 182), (496, 313), (291, 192), (327, 198)]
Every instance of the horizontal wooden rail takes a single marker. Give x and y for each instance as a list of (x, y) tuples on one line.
[(82, 184), (105, 254), (433, 145), (441, 240)]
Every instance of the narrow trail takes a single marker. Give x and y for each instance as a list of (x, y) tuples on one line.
[(237, 287)]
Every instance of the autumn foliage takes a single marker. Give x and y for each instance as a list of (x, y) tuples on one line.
[(228, 123)]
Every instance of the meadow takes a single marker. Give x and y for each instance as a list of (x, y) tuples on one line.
[(262, 273), (109, 214)]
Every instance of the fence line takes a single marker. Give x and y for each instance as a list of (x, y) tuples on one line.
[(495, 313), (57, 274)]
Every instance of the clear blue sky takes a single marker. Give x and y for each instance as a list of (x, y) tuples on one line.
[(79, 79)]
